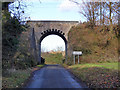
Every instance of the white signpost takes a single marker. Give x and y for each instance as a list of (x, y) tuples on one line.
[(77, 53)]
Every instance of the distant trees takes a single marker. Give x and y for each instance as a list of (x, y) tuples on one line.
[(99, 13), (57, 49), (43, 49)]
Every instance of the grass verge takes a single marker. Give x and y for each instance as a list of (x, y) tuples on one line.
[(40, 66), (52, 58), (18, 78), (99, 75)]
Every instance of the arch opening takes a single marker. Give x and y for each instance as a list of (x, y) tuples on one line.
[(53, 49), (52, 32), (52, 43)]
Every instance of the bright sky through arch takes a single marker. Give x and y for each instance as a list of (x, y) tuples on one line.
[(52, 42)]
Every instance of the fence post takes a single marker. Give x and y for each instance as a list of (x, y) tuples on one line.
[(74, 59), (78, 59)]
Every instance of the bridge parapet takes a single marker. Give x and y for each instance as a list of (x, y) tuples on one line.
[(40, 26)]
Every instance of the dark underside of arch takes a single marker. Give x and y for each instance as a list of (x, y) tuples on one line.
[(54, 32)]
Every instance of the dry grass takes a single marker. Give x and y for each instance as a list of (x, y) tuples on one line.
[(96, 46), (97, 75), (52, 58)]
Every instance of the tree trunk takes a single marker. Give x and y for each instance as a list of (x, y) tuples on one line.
[(100, 13), (110, 16), (103, 16)]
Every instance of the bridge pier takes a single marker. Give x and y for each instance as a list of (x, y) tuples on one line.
[(39, 58), (65, 52)]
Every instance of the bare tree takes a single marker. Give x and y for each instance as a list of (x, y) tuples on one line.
[(44, 49), (59, 49), (89, 10), (104, 12), (17, 9)]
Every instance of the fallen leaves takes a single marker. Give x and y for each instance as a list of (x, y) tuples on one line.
[(97, 77)]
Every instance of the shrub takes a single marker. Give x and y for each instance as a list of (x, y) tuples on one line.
[(24, 61), (97, 45)]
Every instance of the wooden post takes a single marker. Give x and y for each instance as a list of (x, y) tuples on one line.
[(74, 59), (78, 59)]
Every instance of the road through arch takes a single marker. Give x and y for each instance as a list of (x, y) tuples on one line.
[(52, 32)]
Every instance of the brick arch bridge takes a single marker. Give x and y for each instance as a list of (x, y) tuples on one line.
[(40, 29)]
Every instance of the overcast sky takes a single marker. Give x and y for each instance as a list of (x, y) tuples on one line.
[(53, 10)]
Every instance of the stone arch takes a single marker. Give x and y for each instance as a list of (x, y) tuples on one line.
[(52, 32)]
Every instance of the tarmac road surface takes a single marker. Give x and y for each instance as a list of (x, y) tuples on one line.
[(53, 76)]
